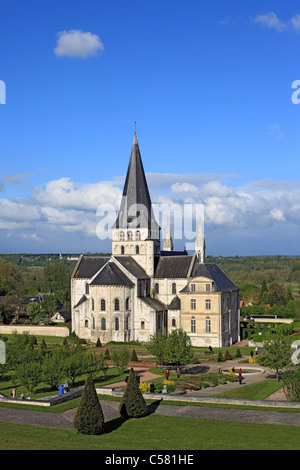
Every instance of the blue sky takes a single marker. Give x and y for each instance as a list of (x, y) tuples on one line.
[(209, 85)]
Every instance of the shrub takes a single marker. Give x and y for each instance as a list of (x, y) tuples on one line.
[(220, 357), (89, 417), (98, 344), (134, 357), (227, 356), (107, 355), (132, 404)]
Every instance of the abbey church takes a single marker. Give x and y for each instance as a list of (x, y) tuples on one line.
[(142, 290)]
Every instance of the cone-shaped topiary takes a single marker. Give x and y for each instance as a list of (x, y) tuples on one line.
[(89, 417), (132, 404), (227, 356), (98, 344), (220, 357), (134, 357)]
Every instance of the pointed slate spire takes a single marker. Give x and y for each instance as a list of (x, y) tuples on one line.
[(136, 208), (168, 241)]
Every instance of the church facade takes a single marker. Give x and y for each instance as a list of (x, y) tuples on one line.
[(142, 290)]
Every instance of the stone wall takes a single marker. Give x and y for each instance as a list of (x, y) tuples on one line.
[(35, 330)]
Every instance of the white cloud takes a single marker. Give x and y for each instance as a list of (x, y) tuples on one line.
[(66, 210), (275, 131), (77, 43), (271, 20)]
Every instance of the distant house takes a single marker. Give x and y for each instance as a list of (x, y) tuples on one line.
[(61, 316)]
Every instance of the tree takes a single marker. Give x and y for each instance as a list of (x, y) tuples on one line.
[(57, 279), (157, 347), (89, 417), (276, 353), (134, 357), (29, 374), (175, 348), (132, 404), (121, 358), (53, 368), (11, 280), (178, 348), (291, 380)]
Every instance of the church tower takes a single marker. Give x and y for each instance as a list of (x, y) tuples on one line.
[(200, 244), (136, 232)]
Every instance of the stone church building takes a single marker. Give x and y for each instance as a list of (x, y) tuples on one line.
[(142, 290)]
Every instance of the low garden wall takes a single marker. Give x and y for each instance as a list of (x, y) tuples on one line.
[(35, 330)]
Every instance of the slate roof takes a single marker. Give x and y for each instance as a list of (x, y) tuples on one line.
[(154, 303), (136, 196), (111, 275), (175, 304), (132, 266), (89, 266), (81, 301), (173, 267), (211, 271)]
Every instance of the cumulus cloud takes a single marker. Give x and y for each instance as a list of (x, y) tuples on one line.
[(64, 208), (271, 20), (77, 43)]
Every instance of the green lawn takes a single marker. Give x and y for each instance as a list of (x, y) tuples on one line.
[(256, 391), (155, 433)]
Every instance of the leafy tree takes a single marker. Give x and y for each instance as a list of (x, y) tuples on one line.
[(57, 279), (11, 280), (29, 374), (157, 347), (89, 417), (132, 404), (178, 348), (53, 368), (276, 353), (291, 387), (75, 362), (121, 358)]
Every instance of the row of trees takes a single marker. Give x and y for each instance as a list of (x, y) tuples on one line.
[(30, 366)]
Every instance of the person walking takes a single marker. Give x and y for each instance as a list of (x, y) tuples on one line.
[(240, 376)]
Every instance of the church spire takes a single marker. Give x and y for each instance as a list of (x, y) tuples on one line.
[(136, 207), (200, 243), (168, 241)]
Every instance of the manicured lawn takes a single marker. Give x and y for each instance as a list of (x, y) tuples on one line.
[(256, 391), (155, 433)]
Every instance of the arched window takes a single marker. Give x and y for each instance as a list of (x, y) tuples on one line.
[(174, 288), (122, 235), (193, 325), (103, 324), (138, 235), (173, 323), (93, 323), (129, 235), (207, 325), (137, 250), (117, 305), (156, 288), (193, 304), (122, 250), (126, 323), (102, 305), (92, 304), (142, 325), (86, 323), (117, 324), (127, 303)]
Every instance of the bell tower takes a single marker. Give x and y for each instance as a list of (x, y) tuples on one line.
[(136, 232)]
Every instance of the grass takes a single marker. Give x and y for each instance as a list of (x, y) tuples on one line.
[(256, 391), (155, 433)]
